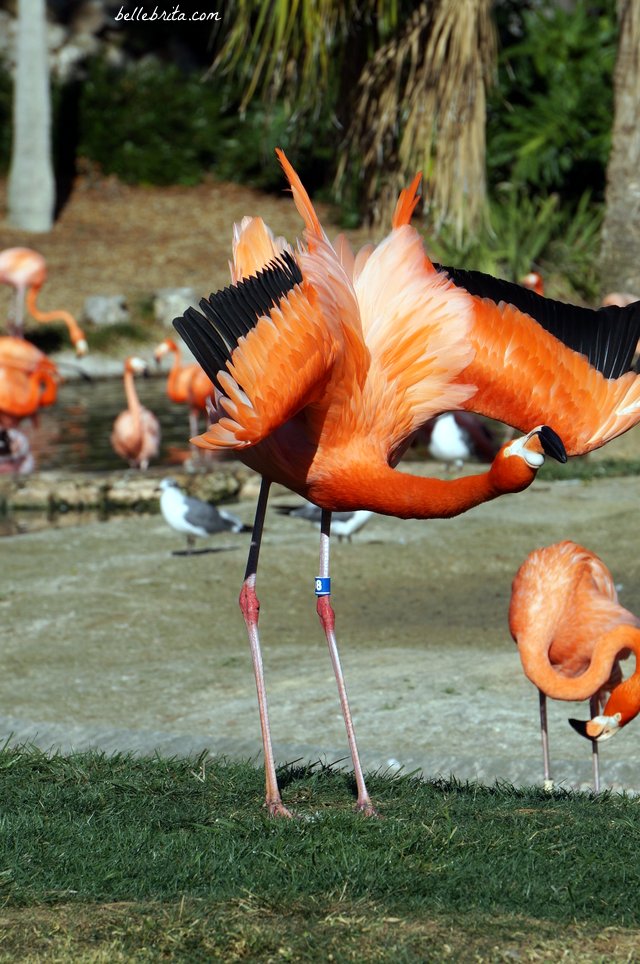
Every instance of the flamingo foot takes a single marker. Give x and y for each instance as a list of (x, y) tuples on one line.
[(367, 809), (277, 808)]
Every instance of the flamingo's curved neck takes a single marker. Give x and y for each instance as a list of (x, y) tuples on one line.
[(75, 332), (393, 492), (541, 672), (133, 402)]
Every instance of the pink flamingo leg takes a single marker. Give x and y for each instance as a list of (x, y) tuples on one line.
[(327, 618), (250, 607), (544, 736), (594, 707), (17, 322), (193, 424)]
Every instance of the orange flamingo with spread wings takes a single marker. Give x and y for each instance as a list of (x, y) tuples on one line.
[(571, 634), (186, 384), (26, 271), (136, 431), (326, 363)]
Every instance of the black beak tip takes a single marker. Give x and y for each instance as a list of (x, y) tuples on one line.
[(552, 444), (580, 726)]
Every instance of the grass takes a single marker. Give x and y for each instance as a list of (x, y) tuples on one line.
[(118, 858), (587, 469)]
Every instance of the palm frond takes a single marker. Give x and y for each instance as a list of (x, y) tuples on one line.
[(288, 46), (421, 104)]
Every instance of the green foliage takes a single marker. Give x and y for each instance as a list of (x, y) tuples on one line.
[(550, 118), (150, 123), (525, 231)]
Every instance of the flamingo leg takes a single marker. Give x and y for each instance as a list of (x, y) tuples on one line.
[(17, 324), (193, 424), (594, 708), (544, 735), (327, 618), (250, 607)]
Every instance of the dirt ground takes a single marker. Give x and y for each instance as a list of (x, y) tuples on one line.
[(110, 640), (115, 239)]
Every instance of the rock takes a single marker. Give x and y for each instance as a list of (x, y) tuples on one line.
[(106, 310), (168, 303)]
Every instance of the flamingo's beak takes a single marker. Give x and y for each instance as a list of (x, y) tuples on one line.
[(598, 729), (552, 444)]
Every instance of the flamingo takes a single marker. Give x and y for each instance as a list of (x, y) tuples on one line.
[(28, 380), (571, 634), (136, 431), (186, 384), (325, 365), (534, 281), (26, 271), (619, 298)]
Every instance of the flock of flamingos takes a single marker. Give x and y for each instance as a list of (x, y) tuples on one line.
[(318, 365)]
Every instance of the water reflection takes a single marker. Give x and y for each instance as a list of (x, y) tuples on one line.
[(19, 521), (74, 433)]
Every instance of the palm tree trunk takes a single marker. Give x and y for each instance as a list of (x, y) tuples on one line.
[(31, 190), (620, 255)]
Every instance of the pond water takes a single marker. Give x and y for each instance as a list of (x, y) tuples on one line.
[(73, 434)]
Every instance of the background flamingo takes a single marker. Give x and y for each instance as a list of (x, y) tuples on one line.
[(571, 633), (26, 271), (376, 342), (534, 281), (186, 384), (136, 431), (28, 380)]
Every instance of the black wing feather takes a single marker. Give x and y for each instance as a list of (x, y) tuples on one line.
[(607, 337), (229, 314)]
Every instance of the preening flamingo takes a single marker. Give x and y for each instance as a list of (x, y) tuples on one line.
[(326, 364), (186, 384), (28, 380), (571, 634), (26, 271), (136, 431)]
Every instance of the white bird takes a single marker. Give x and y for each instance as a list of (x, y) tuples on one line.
[(343, 524), (193, 517), (456, 437), (15, 452)]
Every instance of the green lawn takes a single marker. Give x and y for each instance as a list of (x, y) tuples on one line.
[(122, 859)]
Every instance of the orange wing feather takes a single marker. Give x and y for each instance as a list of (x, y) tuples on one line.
[(279, 367), (407, 202), (543, 381)]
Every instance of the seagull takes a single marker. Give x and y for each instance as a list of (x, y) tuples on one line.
[(194, 517), (343, 524)]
